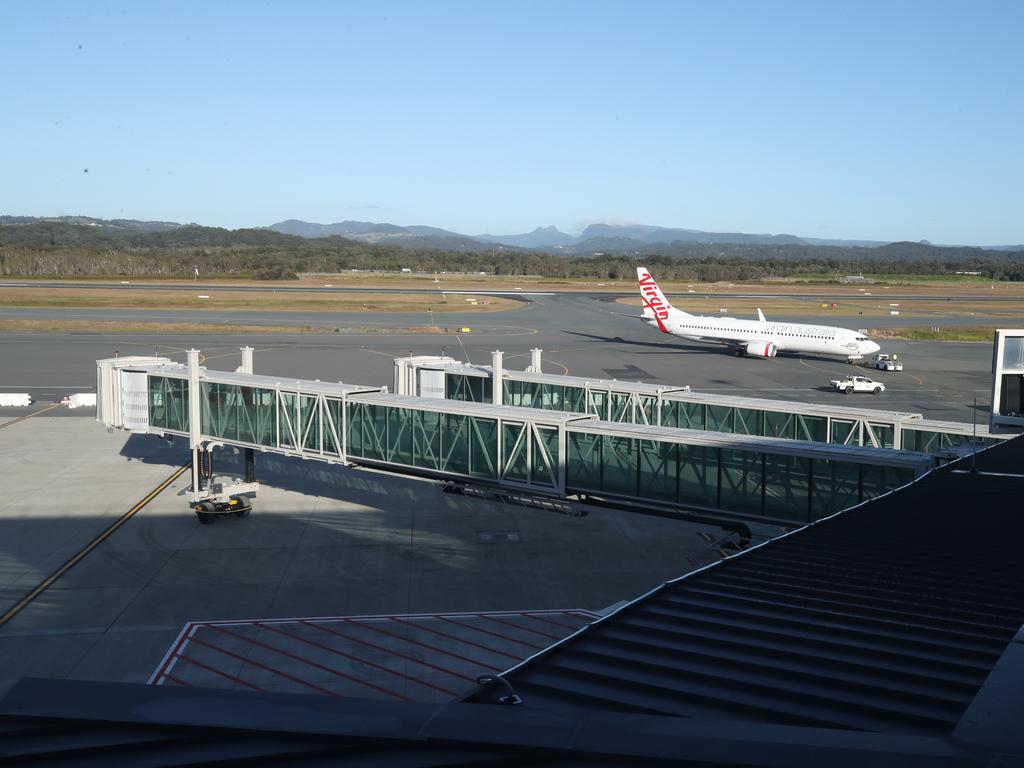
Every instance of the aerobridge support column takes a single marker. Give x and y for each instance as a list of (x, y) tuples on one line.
[(535, 361), (497, 375), (194, 420), (246, 360), (250, 454)]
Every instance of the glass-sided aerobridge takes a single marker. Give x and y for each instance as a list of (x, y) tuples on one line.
[(679, 407), (542, 450)]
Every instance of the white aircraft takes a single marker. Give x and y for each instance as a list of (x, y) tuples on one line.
[(749, 337)]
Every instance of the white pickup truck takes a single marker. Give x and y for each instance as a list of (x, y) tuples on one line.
[(885, 362), (858, 384)]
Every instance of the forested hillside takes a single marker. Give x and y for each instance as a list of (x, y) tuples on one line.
[(52, 249)]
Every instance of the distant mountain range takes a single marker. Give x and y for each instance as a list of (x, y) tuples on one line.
[(596, 238), (127, 225)]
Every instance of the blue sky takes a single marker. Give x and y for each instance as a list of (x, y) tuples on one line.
[(888, 120)]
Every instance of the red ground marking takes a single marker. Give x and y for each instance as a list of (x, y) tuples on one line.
[(173, 679), (522, 629), (260, 666), (454, 655), (311, 663), (457, 639), (549, 621), (232, 678), (327, 648), (451, 672), (493, 634)]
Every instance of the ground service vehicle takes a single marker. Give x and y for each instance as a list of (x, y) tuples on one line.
[(858, 384), (885, 362)]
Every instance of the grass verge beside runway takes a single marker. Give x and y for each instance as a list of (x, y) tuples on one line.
[(116, 326), (978, 334), (57, 297)]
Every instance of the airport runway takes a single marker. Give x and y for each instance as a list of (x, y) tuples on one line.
[(524, 293), (580, 336)]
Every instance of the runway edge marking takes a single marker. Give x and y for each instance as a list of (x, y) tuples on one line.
[(75, 559)]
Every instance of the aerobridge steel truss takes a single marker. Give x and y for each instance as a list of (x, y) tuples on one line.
[(542, 450), (674, 406)]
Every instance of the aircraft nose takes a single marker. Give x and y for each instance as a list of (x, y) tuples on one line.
[(873, 347)]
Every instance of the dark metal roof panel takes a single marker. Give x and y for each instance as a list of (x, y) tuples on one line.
[(888, 617)]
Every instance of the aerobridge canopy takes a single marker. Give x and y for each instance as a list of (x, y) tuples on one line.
[(555, 449)]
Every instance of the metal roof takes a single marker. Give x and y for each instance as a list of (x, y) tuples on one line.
[(772, 445), (83, 723), (469, 408), (955, 428), (794, 406), (312, 387), (888, 617), (261, 381), (615, 385)]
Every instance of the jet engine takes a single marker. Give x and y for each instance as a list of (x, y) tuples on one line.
[(760, 349)]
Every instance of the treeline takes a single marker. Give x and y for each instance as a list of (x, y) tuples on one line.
[(62, 250)]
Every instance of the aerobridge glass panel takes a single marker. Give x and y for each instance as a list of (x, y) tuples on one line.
[(698, 475), (332, 418), (813, 428), (583, 461), (649, 408), (778, 424), (455, 443), (513, 452), (545, 464), (367, 431), (551, 397), (924, 442), (659, 468), (879, 479), (399, 442), (835, 485), (575, 400), (747, 421), (741, 481), (168, 403), (483, 447), (222, 412), (289, 418), (475, 389), (884, 433), (787, 487), (1013, 353), (620, 465), (719, 418), (598, 404), (690, 415), (426, 440), (309, 423), (621, 408), (844, 432)]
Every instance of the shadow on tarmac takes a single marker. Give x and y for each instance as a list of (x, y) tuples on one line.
[(311, 478)]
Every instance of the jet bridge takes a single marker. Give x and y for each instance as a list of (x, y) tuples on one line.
[(680, 407), (542, 450)]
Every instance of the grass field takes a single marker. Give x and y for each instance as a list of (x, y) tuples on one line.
[(110, 326), (968, 333), (698, 304), (56, 296)]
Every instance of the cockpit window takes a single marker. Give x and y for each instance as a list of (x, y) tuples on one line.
[(863, 338)]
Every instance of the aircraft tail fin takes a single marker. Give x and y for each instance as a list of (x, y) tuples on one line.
[(760, 315), (656, 306)]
